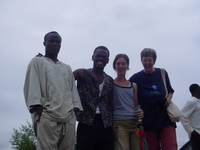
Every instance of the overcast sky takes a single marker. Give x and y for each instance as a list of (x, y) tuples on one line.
[(171, 27)]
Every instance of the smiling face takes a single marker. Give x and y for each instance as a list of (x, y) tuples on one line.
[(100, 58), (148, 63), (148, 59), (121, 66)]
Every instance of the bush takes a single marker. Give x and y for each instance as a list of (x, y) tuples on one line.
[(24, 138)]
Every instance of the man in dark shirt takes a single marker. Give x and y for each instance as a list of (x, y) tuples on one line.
[(95, 88)]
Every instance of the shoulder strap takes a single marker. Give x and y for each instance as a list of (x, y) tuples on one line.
[(164, 78)]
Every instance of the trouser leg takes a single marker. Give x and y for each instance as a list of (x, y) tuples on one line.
[(195, 140), (47, 134), (68, 140), (85, 137), (104, 136), (56, 136), (152, 140), (125, 135), (134, 139), (168, 138), (121, 136), (94, 137)]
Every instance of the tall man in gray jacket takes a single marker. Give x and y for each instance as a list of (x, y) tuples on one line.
[(51, 97)]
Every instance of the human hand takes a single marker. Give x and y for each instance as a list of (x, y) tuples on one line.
[(39, 55), (168, 99), (140, 113), (76, 110), (167, 102), (38, 109)]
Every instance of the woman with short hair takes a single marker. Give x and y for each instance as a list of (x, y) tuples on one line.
[(160, 131)]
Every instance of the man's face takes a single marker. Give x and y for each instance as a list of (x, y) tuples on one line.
[(52, 44), (100, 58)]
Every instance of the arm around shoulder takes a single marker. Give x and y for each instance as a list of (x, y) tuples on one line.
[(79, 73)]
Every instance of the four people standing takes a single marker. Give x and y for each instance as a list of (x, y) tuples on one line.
[(52, 98)]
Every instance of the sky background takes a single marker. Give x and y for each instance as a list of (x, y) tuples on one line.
[(123, 26)]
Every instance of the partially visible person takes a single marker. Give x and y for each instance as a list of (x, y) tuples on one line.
[(94, 131), (51, 96), (126, 109), (160, 131), (190, 116)]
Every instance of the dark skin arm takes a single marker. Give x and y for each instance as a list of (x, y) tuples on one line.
[(168, 99), (38, 109), (78, 74)]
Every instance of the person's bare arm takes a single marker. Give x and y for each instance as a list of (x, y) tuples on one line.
[(139, 111), (168, 99), (136, 95), (79, 73)]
